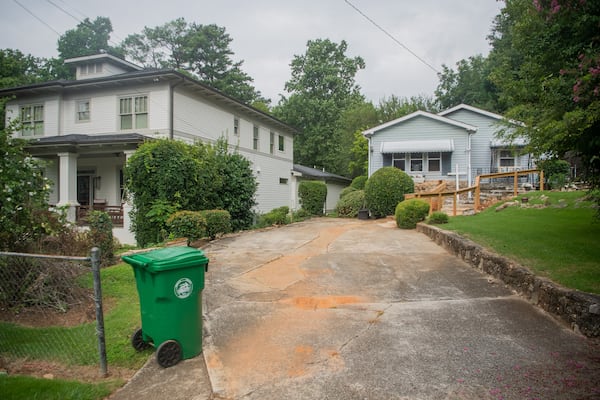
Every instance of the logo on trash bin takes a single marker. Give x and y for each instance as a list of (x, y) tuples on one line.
[(183, 288)]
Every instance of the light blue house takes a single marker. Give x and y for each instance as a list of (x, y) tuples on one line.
[(435, 146)]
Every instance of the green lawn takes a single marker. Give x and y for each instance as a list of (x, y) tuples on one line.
[(26, 388), (560, 241)]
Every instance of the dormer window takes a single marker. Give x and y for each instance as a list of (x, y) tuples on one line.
[(90, 69)]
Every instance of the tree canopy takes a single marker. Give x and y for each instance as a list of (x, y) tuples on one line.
[(546, 64), (322, 86), (200, 50)]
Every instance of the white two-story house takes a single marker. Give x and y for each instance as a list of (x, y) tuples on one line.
[(85, 129)]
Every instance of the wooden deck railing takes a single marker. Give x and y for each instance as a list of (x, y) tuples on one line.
[(114, 212), (440, 195)]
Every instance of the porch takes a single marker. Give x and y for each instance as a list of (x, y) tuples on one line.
[(114, 212)]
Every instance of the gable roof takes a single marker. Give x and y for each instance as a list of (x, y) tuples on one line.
[(472, 109), (435, 117)]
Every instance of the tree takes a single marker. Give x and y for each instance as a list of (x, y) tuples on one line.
[(88, 38), (24, 194), (200, 50), (469, 84), (546, 63), (395, 107), (321, 88)]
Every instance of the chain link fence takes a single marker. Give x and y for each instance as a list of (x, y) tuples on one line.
[(51, 310)]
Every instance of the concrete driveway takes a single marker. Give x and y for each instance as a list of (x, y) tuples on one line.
[(348, 309)]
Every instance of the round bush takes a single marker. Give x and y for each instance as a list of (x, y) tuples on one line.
[(359, 182), (218, 222), (409, 212), (438, 217), (385, 189), (188, 224), (349, 205)]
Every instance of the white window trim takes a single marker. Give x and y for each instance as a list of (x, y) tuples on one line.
[(256, 138), (133, 113), (236, 126), (281, 143), (31, 121), (78, 112), (429, 158)]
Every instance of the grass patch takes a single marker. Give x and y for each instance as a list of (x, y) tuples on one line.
[(560, 241), (25, 388), (79, 346)]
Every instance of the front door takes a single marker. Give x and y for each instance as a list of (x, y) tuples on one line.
[(84, 190)]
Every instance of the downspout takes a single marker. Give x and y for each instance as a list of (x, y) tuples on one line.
[(369, 151), (469, 169), (172, 108)]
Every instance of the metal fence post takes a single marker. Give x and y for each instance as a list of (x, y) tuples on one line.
[(95, 257)]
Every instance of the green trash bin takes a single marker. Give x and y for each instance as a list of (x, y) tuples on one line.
[(170, 283)]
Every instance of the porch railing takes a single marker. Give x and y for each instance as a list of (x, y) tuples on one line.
[(114, 212)]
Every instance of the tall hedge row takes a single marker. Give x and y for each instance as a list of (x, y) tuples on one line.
[(312, 196), (165, 176)]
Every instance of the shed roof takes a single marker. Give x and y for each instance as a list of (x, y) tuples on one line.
[(315, 173)]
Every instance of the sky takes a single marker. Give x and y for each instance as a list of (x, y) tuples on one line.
[(403, 42)]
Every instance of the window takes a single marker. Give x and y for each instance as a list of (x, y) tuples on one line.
[(283, 181), (32, 119), (399, 161), (83, 111), (281, 143), (255, 138), (236, 126), (434, 162), (272, 142), (416, 162), (93, 68), (134, 112), (507, 158)]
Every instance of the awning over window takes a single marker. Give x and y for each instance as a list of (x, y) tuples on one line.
[(417, 146), (518, 142)]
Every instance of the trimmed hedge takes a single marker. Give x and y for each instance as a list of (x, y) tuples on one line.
[(347, 190), (359, 182), (187, 224), (218, 222), (312, 196), (350, 204), (438, 217), (385, 189), (409, 212)]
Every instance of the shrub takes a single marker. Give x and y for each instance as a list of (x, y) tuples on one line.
[(277, 216), (101, 235), (409, 212), (300, 215), (359, 182), (385, 189), (438, 217), (349, 205), (556, 172), (312, 196), (346, 191), (218, 222), (187, 224)]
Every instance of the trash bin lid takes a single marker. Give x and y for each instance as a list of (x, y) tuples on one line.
[(168, 258)]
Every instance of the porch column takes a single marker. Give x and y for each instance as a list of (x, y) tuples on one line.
[(67, 180)]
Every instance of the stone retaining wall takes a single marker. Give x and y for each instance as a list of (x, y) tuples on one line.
[(578, 309)]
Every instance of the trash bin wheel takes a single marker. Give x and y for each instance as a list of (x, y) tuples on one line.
[(137, 341), (168, 353)]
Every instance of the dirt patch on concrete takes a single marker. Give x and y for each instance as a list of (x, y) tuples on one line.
[(314, 303)]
